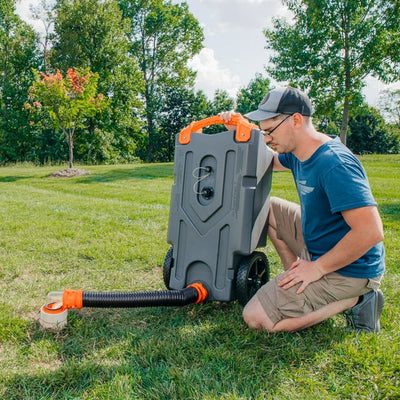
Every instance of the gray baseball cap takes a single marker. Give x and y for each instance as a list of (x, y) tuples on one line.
[(282, 100)]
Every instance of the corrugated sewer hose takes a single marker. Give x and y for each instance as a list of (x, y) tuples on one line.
[(194, 293), (54, 314)]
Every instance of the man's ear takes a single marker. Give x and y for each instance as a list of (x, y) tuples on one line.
[(297, 120)]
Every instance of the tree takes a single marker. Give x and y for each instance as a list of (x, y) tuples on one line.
[(68, 100), (89, 34), (332, 46), (180, 107), (250, 97), (93, 34), (221, 102), (163, 37), (18, 55), (370, 134)]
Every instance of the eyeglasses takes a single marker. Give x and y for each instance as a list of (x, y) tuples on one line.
[(266, 132)]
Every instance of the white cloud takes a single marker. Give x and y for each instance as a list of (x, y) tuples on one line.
[(244, 15), (234, 30), (235, 1), (210, 74), (375, 88), (23, 9)]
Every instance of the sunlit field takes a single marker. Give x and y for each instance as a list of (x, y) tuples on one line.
[(107, 232)]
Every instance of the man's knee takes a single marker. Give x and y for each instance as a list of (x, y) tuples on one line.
[(255, 317)]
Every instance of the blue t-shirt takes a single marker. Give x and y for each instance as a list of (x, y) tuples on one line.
[(330, 181)]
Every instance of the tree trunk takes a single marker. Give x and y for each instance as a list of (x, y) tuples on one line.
[(71, 149), (150, 122), (347, 80), (5, 74), (345, 121)]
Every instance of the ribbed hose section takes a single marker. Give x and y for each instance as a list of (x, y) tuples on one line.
[(141, 299)]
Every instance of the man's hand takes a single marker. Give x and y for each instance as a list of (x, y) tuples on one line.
[(227, 116), (301, 271)]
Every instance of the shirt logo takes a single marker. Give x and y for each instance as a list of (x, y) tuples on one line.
[(303, 188)]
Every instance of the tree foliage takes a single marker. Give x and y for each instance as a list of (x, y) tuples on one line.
[(93, 34), (222, 101), (370, 134), (68, 100), (138, 50), (332, 46), (163, 37), (250, 97), (180, 107), (18, 55)]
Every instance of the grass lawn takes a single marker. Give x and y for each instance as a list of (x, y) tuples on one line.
[(107, 232)]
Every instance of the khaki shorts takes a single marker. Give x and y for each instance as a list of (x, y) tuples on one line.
[(288, 226), (281, 303)]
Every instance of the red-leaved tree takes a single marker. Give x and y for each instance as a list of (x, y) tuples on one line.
[(68, 100)]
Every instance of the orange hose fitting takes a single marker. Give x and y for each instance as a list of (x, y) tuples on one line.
[(73, 298), (53, 308), (201, 290)]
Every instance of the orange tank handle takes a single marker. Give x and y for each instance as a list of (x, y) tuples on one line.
[(201, 290), (72, 299), (243, 130)]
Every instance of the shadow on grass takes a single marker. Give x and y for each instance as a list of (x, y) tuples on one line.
[(390, 211), (152, 171), (166, 353), (13, 178)]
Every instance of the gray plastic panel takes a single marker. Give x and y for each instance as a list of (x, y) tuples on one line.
[(219, 206)]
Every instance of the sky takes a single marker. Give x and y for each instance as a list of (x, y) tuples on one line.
[(234, 41), (234, 46)]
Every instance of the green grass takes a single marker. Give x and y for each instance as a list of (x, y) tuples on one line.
[(107, 231)]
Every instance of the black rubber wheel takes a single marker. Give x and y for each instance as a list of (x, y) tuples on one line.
[(167, 266), (253, 272)]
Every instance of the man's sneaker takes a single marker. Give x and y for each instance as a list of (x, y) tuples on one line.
[(365, 315)]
